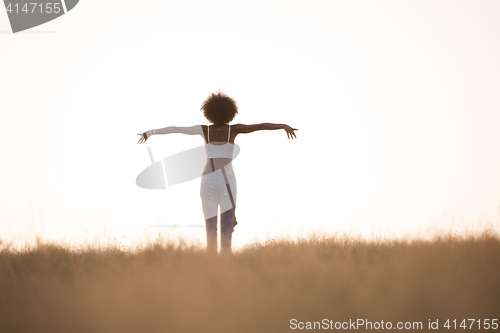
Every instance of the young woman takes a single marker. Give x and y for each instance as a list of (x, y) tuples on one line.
[(218, 181)]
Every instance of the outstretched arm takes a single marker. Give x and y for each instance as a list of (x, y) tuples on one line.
[(243, 129), (192, 130)]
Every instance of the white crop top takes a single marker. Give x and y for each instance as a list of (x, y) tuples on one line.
[(219, 151)]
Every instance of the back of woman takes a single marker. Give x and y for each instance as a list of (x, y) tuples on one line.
[(218, 187)]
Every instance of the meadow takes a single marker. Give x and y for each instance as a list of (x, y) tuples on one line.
[(274, 286)]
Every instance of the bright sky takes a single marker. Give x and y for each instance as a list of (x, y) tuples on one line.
[(396, 103)]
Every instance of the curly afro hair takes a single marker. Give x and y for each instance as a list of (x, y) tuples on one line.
[(219, 109)]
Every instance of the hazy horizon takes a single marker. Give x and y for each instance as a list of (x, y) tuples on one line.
[(396, 104)]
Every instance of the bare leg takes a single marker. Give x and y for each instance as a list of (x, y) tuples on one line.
[(227, 228), (211, 227)]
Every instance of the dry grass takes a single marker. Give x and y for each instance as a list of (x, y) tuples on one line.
[(166, 288)]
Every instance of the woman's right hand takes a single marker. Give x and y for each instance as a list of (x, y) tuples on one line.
[(289, 131)]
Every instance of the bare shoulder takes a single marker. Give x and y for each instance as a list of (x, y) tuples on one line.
[(204, 130), (242, 128), (191, 130)]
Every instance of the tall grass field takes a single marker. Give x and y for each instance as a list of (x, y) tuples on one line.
[(315, 284)]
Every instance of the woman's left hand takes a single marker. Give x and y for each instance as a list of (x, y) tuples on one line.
[(144, 137)]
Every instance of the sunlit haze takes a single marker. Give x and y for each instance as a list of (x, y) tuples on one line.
[(397, 105)]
